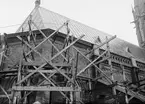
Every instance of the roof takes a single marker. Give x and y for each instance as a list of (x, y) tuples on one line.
[(44, 19)]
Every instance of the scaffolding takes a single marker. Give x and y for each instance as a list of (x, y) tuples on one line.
[(52, 61)]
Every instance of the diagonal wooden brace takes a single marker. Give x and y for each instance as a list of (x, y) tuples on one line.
[(29, 75), (68, 46), (5, 93), (93, 64), (46, 39), (49, 41), (33, 49), (53, 85)]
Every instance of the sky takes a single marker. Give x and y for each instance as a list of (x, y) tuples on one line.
[(110, 16)]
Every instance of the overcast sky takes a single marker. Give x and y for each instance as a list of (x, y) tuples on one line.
[(110, 16)]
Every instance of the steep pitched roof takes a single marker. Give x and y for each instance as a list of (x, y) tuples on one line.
[(48, 19), (44, 19)]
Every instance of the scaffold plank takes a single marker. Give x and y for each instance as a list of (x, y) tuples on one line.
[(43, 88)]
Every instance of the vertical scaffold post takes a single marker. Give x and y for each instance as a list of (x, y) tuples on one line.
[(125, 82), (110, 65), (111, 69)]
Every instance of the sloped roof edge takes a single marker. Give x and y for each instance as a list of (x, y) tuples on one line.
[(47, 19)]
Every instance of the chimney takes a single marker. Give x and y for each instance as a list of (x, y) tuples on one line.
[(37, 3)]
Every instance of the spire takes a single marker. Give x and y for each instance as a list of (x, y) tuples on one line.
[(37, 3)]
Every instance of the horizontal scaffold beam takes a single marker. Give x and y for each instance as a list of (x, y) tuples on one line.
[(5, 96), (48, 65), (44, 88)]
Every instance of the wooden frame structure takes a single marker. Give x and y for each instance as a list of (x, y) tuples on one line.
[(32, 75)]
